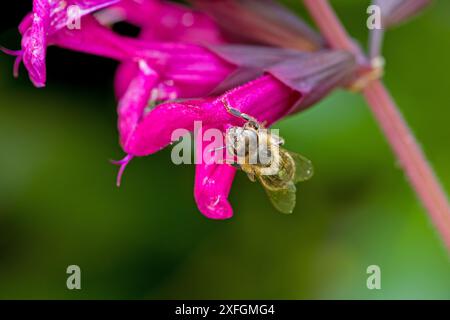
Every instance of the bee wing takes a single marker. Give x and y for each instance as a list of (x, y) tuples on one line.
[(283, 199), (304, 169)]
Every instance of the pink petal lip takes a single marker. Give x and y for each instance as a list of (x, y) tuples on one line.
[(135, 100), (45, 20), (34, 42), (212, 187), (211, 202)]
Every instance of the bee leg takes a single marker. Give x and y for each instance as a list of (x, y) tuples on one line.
[(239, 114), (279, 141), (251, 176), (235, 165)]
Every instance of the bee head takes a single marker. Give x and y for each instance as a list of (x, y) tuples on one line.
[(242, 141)]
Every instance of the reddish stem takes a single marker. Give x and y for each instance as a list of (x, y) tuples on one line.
[(397, 132)]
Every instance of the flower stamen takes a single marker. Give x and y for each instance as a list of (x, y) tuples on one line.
[(19, 56), (123, 165)]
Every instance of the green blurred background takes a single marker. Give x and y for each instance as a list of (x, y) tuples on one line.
[(59, 204)]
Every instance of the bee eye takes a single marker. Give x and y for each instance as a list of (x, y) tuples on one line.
[(232, 140), (277, 140), (250, 140), (243, 141)]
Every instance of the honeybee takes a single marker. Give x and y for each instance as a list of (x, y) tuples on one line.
[(259, 154)]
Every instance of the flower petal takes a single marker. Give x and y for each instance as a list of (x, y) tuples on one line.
[(60, 14), (155, 130), (194, 69), (212, 186), (166, 21), (93, 38), (314, 75), (34, 42), (47, 18), (132, 104), (263, 21), (265, 98), (393, 12), (251, 61)]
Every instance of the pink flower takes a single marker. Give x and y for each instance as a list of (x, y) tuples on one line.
[(46, 19), (165, 21), (162, 22), (269, 98), (168, 61)]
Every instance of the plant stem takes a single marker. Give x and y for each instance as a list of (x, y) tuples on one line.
[(397, 132)]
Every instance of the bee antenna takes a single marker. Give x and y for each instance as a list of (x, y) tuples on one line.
[(215, 149)]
